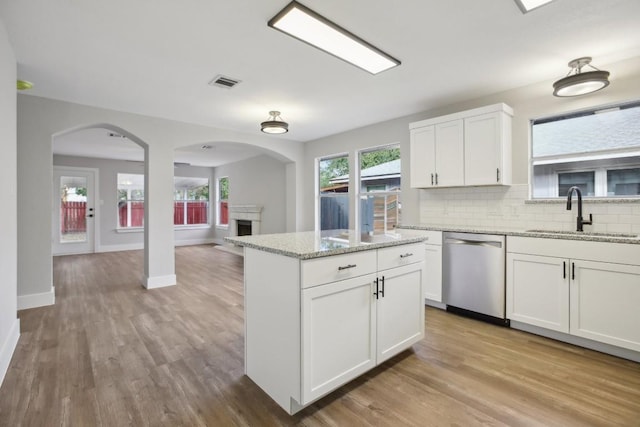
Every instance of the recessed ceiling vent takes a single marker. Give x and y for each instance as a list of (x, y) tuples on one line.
[(224, 81)]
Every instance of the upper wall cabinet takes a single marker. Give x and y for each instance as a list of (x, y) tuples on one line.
[(467, 148)]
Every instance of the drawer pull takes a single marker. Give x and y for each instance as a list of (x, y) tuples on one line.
[(344, 267), (407, 255)]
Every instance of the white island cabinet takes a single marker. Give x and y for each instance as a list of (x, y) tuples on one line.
[(321, 312)]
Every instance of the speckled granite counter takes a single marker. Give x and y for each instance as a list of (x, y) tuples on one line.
[(309, 244), (546, 234)]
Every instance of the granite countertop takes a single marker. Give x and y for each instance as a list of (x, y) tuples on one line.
[(540, 233), (310, 244)]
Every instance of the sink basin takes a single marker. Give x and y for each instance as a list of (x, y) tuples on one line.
[(585, 233)]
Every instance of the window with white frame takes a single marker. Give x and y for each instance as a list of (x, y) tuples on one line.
[(191, 201), (333, 192), (597, 150), (130, 189), (379, 189), (222, 201)]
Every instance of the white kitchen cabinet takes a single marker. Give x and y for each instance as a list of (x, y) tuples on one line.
[(605, 302), (436, 155), (400, 310), (487, 149), (314, 325), (339, 330), (467, 148), (584, 288), (538, 291)]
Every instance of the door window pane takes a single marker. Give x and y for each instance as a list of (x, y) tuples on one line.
[(334, 193), (623, 182), (380, 183), (584, 180), (73, 209)]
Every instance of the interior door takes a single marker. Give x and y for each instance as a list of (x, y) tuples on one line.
[(74, 212)]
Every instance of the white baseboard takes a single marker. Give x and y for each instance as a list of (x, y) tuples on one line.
[(218, 241), (37, 300), (436, 304), (579, 341), (159, 281), (193, 242), (8, 347), (119, 248)]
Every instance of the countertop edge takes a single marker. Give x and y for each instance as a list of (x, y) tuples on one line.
[(522, 233), (325, 253)]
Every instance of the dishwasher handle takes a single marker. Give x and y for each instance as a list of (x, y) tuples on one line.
[(494, 243)]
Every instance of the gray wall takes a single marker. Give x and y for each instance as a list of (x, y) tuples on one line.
[(261, 181), (109, 239), (9, 324), (528, 102)]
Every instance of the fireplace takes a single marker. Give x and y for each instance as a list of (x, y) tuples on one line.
[(243, 227), (244, 220)]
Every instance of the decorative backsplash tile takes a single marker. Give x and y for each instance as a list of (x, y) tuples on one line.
[(508, 207)]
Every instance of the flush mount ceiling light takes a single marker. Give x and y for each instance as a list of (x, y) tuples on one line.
[(306, 25), (528, 5), (274, 124), (578, 83)]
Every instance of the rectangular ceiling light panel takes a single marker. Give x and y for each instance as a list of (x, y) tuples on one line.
[(304, 24), (528, 5)]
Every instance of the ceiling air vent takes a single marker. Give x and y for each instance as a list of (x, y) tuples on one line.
[(223, 81)]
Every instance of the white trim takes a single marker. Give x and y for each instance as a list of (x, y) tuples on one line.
[(160, 281), (8, 347), (119, 248), (579, 341), (463, 115), (192, 242), (37, 300)]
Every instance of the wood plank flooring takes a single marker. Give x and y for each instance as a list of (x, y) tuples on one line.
[(110, 353)]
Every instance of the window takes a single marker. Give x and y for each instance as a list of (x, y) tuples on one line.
[(596, 150), (191, 201), (130, 200), (333, 193), (222, 201), (379, 187)]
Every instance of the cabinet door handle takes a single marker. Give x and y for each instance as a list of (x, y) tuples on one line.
[(344, 267), (376, 292), (436, 179), (497, 174), (407, 255), (573, 271), (382, 290), (431, 179), (564, 269)]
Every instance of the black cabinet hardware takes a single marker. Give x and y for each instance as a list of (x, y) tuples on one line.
[(573, 271), (406, 255), (497, 174), (376, 292), (382, 290), (431, 179), (564, 269), (436, 179), (344, 267)]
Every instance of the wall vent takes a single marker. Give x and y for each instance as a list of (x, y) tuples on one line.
[(224, 81)]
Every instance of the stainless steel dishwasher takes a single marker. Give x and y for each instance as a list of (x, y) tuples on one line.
[(473, 275)]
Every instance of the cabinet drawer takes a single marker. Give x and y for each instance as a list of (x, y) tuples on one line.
[(395, 256), (338, 267)]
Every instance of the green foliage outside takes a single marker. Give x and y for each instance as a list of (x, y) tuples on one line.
[(224, 188), (332, 168)]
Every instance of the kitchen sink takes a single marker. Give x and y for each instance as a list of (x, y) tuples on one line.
[(585, 233)]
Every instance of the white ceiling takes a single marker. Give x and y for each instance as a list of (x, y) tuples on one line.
[(155, 57)]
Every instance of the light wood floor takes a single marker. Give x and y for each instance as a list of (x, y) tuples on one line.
[(110, 353)]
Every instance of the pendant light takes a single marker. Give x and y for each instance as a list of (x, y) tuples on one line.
[(578, 83), (274, 124)]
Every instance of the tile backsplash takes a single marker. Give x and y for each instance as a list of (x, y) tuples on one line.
[(509, 208)]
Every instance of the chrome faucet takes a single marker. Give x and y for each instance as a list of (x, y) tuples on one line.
[(580, 221)]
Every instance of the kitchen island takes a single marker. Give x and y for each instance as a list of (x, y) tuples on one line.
[(323, 308)]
